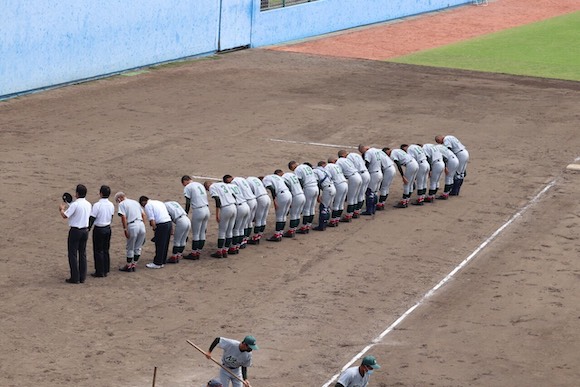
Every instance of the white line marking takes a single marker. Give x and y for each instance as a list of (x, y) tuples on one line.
[(431, 292), (313, 143), (205, 178)]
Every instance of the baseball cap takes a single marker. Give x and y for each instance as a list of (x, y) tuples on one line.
[(214, 383), (371, 362), (250, 341)]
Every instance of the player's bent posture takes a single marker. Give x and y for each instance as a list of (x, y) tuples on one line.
[(196, 199), (462, 155), (242, 216), (225, 215), (247, 193), (354, 181), (309, 185), (160, 222), (418, 154), (282, 200), (451, 165), (132, 219), (298, 201), (402, 159), (341, 186), (181, 227), (237, 357), (372, 158), (360, 165), (263, 203), (326, 197), (358, 376), (435, 159), (389, 172)]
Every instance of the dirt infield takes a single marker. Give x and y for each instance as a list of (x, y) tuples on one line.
[(510, 318), (402, 37)]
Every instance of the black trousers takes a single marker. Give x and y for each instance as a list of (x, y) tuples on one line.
[(77, 253), (101, 245), (162, 236)]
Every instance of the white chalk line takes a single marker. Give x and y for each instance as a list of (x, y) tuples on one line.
[(431, 292), (205, 178), (313, 143)]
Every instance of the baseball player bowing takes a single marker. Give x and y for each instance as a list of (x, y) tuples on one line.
[(372, 158), (298, 201), (247, 193), (196, 199), (132, 218), (354, 181), (181, 227), (225, 215), (341, 186), (309, 184), (282, 200), (389, 172), (360, 165), (263, 203), (451, 165), (403, 159), (435, 159), (242, 216), (358, 376), (462, 155), (422, 174), (326, 197), (237, 357)]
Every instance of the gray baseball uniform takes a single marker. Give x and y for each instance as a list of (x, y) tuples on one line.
[(451, 165), (389, 172), (282, 200), (226, 212), (403, 159), (181, 228), (354, 181), (298, 201), (197, 198), (133, 213), (309, 185), (242, 218), (341, 186), (360, 165), (263, 203), (422, 174), (435, 159)]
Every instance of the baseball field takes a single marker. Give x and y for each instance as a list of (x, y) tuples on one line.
[(478, 290)]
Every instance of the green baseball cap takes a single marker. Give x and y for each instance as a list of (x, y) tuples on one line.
[(371, 362), (250, 341)]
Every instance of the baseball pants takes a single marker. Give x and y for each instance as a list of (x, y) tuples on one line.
[(227, 221), (437, 169), (327, 196), (463, 158), (310, 194), (354, 186), (283, 201), (225, 378), (136, 238), (340, 197), (422, 174), (388, 176), (263, 205), (242, 219), (452, 165), (365, 181), (375, 182), (199, 219), (297, 206), (411, 170), (182, 227), (253, 205)]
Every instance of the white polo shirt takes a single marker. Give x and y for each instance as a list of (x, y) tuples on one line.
[(157, 211), (78, 213), (103, 212)]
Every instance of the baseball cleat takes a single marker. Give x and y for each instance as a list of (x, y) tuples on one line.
[(418, 203), (430, 199), (442, 197), (289, 234), (303, 231), (217, 254), (274, 238), (127, 268), (345, 220), (153, 265), (400, 205), (173, 259), (317, 228), (191, 256)]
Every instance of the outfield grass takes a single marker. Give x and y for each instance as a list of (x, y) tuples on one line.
[(548, 49)]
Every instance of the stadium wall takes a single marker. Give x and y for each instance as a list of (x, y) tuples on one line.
[(45, 43)]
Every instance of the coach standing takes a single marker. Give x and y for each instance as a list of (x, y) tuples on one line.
[(78, 214), (101, 218)]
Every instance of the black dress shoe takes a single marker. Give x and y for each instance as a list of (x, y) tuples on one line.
[(71, 281), (98, 275)]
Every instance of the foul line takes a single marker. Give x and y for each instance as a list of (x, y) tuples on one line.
[(443, 281), (205, 178), (313, 143)]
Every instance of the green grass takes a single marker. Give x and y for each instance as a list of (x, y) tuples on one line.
[(547, 49)]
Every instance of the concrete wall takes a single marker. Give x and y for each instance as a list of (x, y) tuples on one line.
[(44, 43), (48, 42), (324, 16)]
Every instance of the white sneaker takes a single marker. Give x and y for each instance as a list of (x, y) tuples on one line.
[(154, 266)]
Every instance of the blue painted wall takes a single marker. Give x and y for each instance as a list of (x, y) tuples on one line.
[(324, 16), (48, 42), (44, 43)]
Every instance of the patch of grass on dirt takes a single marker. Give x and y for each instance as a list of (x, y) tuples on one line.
[(548, 49)]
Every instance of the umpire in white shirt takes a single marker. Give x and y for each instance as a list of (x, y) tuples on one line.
[(77, 213)]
